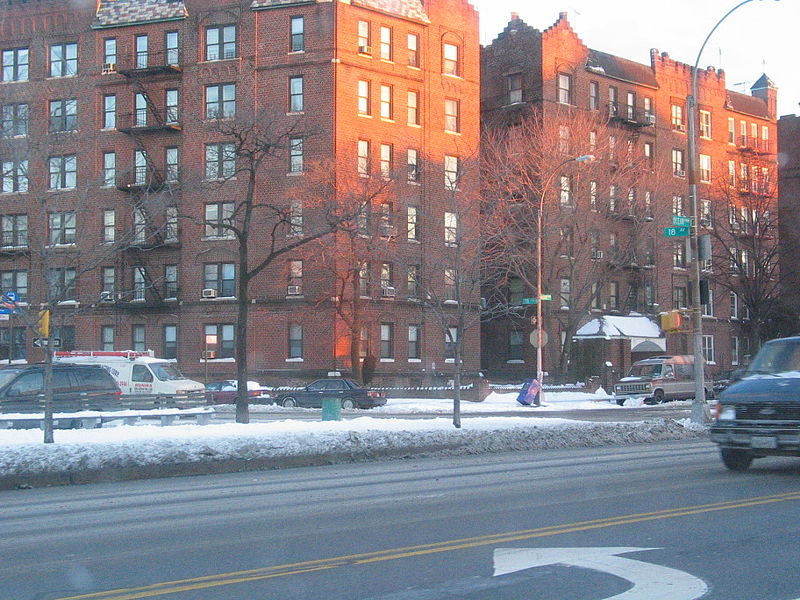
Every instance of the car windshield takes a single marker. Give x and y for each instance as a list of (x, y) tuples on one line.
[(7, 375), (653, 370), (166, 371), (777, 357)]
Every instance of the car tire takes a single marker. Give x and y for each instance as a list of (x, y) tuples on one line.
[(736, 460), (289, 402), (658, 397), (348, 403)]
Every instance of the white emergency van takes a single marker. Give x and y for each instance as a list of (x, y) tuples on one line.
[(137, 372)]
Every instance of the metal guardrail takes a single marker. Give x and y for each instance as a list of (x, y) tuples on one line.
[(108, 403)]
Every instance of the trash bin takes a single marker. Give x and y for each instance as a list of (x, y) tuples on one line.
[(331, 409)]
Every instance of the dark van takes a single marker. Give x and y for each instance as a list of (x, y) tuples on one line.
[(75, 387)]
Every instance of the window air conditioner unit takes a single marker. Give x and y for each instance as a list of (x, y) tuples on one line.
[(597, 254), (109, 67), (680, 127), (106, 296), (650, 119), (388, 292), (680, 173), (364, 49), (293, 290), (209, 293)]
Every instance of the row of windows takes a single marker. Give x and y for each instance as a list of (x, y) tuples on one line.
[(451, 107)]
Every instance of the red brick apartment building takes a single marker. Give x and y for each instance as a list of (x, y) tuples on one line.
[(643, 108), (111, 113), (788, 205)]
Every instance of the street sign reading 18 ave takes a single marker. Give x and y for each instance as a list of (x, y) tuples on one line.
[(676, 231)]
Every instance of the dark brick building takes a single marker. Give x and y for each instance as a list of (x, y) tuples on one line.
[(111, 131), (642, 109), (788, 204)]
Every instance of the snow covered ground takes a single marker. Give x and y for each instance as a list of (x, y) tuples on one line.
[(22, 452)]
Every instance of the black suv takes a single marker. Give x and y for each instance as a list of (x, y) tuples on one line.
[(75, 387), (759, 415)]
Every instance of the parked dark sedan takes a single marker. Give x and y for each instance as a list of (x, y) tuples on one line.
[(350, 394)]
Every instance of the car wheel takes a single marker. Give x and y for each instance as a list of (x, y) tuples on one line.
[(736, 460), (289, 402), (348, 403), (658, 397)]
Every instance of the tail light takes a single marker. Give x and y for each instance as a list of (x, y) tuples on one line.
[(372, 394)]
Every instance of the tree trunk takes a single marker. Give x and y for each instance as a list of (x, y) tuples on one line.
[(243, 306), (48, 387)]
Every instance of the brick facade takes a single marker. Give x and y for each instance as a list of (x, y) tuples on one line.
[(789, 187)]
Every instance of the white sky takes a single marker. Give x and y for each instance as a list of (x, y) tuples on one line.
[(761, 36)]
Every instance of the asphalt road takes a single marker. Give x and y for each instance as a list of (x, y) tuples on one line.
[(483, 527)]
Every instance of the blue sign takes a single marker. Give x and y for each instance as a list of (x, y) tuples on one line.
[(12, 297)]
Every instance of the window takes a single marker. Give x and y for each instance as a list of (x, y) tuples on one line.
[(450, 342), (363, 279), (732, 173), (708, 307), (171, 164), (705, 168), (221, 101), (386, 43), (386, 102), (221, 42), (451, 172), (297, 41), (564, 291), (450, 289), (107, 338), (413, 107), (564, 88), (452, 116), (14, 176), (451, 60), (677, 117), (295, 219), (514, 87), (171, 107), (649, 155), (15, 64), (139, 284), (295, 155), (705, 124), (613, 295), (14, 231), (171, 45), (63, 115), (296, 94), (139, 167), (649, 115), (594, 95), (386, 161), (220, 277), (613, 101), (109, 169), (219, 219), (678, 297), (677, 205), (412, 231), (109, 111), (734, 299), (731, 130), (450, 229), (705, 213), (414, 341), (413, 50), (387, 276), (677, 163), (170, 281), (387, 340), (708, 348), (364, 46), (220, 161), (516, 291), (295, 341), (140, 111), (61, 228), (110, 51), (412, 280), (593, 195), (109, 226), (364, 104), (565, 190), (294, 278), (171, 224), (16, 281), (142, 53), (15, 120), (61, 284), (64, 60), (224, 335), (414, 171), (743, 133), (678, 255), (139, 225), (363, 157), (170, 341)]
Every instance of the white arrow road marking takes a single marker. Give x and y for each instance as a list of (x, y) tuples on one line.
[(650, 582)]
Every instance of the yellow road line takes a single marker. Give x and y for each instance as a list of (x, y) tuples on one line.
[(310, 566)]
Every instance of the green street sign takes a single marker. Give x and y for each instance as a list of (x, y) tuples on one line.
[(678, 221), (676, 231), (529, 301), (545, 297)]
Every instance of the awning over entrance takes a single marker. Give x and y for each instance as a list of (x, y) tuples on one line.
[(644, 334)]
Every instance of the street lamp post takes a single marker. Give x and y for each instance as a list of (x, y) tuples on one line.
[(698, 405), (539, 324)]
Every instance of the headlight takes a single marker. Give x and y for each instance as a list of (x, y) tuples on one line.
[(726, 413)]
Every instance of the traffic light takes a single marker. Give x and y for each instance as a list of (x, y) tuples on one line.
[(43, 326), (671, 320)]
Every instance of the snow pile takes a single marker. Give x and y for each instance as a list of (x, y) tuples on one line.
[(22, 452)]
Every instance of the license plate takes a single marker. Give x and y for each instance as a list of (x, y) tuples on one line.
[(763, 442)]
